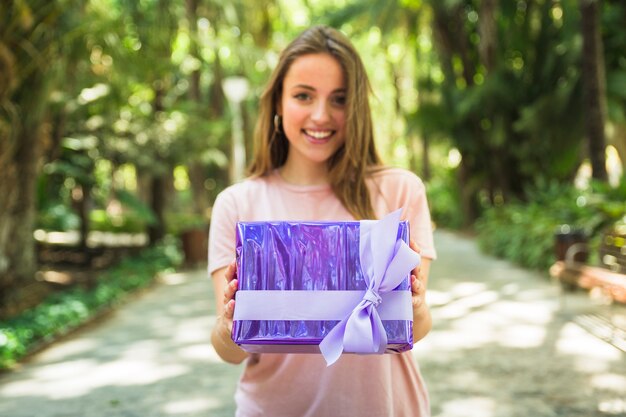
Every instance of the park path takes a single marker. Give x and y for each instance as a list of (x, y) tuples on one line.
[(503, 345)]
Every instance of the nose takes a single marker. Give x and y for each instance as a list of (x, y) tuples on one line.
[(320, 112)]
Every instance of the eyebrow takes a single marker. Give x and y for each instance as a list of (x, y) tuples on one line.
[(308, 87)]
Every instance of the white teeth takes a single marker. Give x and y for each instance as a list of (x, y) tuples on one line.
[(319, 134)]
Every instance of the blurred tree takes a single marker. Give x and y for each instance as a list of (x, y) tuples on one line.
[(614, 41), (31, 35), (594, 85), (402, 23), (514, 113)]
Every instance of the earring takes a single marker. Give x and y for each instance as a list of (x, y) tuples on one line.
[(277, 123)]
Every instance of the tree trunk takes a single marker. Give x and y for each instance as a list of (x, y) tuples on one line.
[(192, 18), (196, 170), (157, 183), (425, 157), (451, 40), (619, 142), (216, 94), (468, 191), (487, 29), (197, 178), (83, 203), (157, 204), (594, 86), (22, 146), (18, 261)]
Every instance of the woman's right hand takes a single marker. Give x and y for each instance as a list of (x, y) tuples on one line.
[(225, 283), (230, 274)]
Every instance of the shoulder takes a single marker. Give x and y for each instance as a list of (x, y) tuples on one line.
[(393, 188), (392, 178), (242, 188)]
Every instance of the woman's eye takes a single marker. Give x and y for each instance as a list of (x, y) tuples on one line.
[(302, 96), (339, 100)]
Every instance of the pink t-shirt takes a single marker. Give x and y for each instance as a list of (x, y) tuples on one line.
[(302, 385)]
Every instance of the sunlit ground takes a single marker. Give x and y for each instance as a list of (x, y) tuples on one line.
[(505, 344), (146, 360)]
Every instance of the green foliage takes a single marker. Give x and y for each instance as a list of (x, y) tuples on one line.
[(67, 310), (443, 199), (178, 222), (100, 220), (134, 205), (57, 217), (520, 120), (524, 232), (135, 216)]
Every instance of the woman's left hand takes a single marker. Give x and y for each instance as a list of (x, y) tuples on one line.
[(418, 285)]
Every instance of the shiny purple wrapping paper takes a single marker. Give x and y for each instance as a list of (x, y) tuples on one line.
[(310, 256)]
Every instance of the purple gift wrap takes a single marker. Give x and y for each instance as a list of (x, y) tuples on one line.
[(329, 287)]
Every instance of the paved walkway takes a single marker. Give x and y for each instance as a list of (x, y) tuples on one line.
[(502, 346)]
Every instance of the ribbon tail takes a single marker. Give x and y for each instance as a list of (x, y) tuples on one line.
[(380, 334), (403, 262), (332, 344)]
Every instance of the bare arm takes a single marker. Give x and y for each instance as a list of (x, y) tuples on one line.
[(422, 320), (225, 287)]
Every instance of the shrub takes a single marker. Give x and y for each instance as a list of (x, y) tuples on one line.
[(67, 310), (443, 200), (523, 232)]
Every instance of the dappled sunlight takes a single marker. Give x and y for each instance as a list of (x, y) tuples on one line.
[(462, 307), (193, 330), (538, 313), (201, 352), (157, 346), (78, 378), (66, 369), (437, 298), (174, 278), (609, 381), (144, 349), (468, 407), (522, 336), (70, 348), (467, 288), (195, 405), (471, 315), (589, 354), (613, 407)]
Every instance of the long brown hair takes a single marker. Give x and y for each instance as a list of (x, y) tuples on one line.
[(348, 167)]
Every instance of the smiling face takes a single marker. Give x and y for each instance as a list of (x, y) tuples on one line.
[(312, 107)]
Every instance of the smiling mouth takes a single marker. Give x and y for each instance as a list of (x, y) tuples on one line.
[(319, 135)]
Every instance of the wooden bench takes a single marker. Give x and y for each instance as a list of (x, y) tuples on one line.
[(573, 272), (609, 279)]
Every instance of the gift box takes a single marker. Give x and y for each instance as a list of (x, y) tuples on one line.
[(329, 287)]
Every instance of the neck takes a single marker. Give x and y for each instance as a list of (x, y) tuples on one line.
[(304, 173)]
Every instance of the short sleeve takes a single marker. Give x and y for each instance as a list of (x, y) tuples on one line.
[(396, 188), (222, 240), (417, 212)]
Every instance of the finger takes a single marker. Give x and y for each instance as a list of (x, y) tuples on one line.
[(231, 271), (416, 249), (414, 246), (421, 277), (229, 309), (417, 301), (230, 290), (416, 285)]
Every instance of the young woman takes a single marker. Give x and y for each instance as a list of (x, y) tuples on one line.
[(316, 160)]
